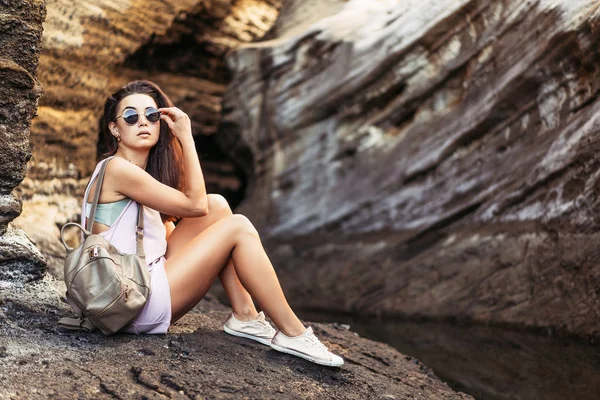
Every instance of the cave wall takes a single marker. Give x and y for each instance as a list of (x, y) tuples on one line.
[(20, 38), (91, 48), (430, 159)]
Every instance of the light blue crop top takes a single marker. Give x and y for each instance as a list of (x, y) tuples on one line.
[(107, 213)]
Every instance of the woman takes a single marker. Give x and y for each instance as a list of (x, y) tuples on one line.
[(155, 164)]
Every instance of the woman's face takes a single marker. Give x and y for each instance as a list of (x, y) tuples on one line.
[(142, 134)]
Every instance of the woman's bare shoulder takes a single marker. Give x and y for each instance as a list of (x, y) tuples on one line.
[(120, 168), (117, 162)]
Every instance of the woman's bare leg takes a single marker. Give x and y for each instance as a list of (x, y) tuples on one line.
[(188, 228), (192, 270)]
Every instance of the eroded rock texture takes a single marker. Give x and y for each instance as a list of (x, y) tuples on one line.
[(92, 47), (196, 360), (20, 37), (428, 158)]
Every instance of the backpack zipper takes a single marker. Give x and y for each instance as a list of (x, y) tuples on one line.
[(124, 292), (94, 252)]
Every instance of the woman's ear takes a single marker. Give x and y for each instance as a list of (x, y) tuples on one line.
[(112, 127)]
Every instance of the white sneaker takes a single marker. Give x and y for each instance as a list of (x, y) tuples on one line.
[(257, 329), (306, 346)]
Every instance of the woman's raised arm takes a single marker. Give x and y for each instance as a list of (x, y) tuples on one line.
[(137, 184)]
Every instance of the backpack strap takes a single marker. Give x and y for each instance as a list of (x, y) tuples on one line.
[(100, 178), (139, 233), (139, 230), (81, 323), (76, 324)]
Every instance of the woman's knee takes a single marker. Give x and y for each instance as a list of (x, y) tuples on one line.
[(218, 204), (242, 225)]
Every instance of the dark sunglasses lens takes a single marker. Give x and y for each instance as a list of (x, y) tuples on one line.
[(130, 116), (152, 114)]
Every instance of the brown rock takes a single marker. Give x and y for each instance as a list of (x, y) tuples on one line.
[(20, 37), (92, 48)]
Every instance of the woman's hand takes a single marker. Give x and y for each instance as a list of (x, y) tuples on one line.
[(194, 198), (178, 122)]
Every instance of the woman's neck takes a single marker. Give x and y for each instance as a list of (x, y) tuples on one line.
[(138, 158)]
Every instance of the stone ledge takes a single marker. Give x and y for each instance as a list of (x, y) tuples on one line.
[(196, 359)]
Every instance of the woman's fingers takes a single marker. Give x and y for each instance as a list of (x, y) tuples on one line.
[(169, 114), (168, 120), (173, 112), (178, 121)]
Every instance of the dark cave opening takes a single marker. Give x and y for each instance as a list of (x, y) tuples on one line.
[(186, 57), (222, 175)]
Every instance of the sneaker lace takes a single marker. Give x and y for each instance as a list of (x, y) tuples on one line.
[(265, 324), (317, 343)]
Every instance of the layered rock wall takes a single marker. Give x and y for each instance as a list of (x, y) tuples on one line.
[(429, 158), (20, 39)]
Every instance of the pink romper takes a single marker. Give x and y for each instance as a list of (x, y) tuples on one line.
[(155, 317)]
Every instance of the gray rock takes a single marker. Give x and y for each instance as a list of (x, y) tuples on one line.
[(20, 260), (433, 159)]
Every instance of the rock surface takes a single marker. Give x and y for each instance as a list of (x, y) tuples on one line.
[(195, 360), (428, 158), (20, 38)]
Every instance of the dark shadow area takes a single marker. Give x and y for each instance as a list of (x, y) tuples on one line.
[(223, 176), (186, 57)]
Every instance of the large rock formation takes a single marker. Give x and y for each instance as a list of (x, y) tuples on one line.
[(20, 37), (428, 158)]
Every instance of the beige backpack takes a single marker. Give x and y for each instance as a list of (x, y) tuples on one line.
[(106, 288)]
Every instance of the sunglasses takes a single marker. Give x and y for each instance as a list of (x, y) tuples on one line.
[(130, 116)]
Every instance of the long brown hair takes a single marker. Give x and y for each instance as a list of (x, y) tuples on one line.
[(165, 161)]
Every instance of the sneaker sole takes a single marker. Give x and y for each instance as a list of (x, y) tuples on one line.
[(306, 357), (266, 342)]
